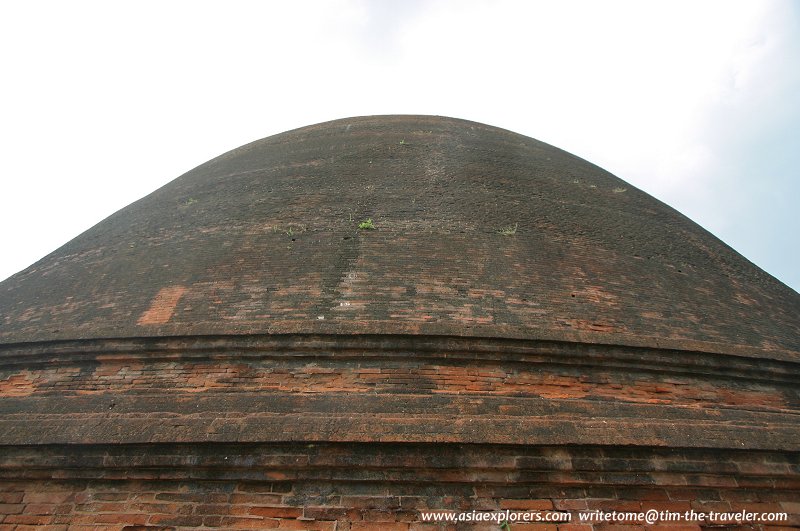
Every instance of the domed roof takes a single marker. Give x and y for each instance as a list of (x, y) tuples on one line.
[(477, 231)]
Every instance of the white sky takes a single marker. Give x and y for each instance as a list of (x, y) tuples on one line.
[(697, 103)]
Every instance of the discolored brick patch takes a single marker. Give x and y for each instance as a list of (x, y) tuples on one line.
[(163, 306)]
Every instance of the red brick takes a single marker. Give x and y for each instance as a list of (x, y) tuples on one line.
[(674, 506), (10, 497), (706, 506), (312, 525), (617, 527), (615, 505), (756, 507), (209, 509), (233, 522), (331, 513), (276, 512), (40, 508), (371, 502), (207, 497), (424, 526), (526, 504), (100, 507), (137, 519), (265, 488), (212, 521), (379, 516), (28, 519), (110, 496), (712, 481), (256, 499), (46, 497), (649, 495), (164, 508), (734, 495), (533, 527), (182, 520), (383, 526), (570, 505), (791, 507)]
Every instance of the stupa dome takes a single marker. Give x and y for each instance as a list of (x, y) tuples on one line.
[(362, 319), (478, 232)]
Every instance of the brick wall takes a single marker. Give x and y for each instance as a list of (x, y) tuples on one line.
[(341, 487), (312, 432), (349, 487), (299, 364), (406, 376)]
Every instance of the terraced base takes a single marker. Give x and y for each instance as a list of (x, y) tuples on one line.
[(349, 486), (393, 389), (369, 432)]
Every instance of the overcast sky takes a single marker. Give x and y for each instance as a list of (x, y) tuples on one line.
[(695, 102)]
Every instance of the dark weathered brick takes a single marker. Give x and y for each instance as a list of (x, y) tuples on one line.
[(233, 352)]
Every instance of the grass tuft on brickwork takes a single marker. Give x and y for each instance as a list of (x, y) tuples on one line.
[(508, 231)]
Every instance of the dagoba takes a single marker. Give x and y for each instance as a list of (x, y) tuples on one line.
[(347, 325)]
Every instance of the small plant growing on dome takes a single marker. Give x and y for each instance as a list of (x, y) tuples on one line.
[(366, 224), (508, 231)]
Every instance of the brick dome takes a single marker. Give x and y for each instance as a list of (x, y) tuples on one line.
[(514, 323), (478, 232)]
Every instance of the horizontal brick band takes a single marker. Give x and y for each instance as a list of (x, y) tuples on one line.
[(391, 388), (414, 463), (389, 346), (361, 418)]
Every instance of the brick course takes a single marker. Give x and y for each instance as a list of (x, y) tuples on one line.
[(581, 478)]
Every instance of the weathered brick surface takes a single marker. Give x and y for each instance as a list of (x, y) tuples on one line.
[(404, 376), (264, 239), (522, 331), (302, 381), (168, 495), (503, 391)]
